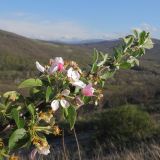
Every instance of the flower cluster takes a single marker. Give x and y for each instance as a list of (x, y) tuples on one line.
[(74, 76), (62, 85)]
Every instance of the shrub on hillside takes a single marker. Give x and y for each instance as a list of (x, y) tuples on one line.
[(123, 124)]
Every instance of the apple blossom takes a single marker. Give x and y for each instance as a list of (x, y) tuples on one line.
[(74, 77), (61, 101), (56, 65), (88, 90), (45, 150)]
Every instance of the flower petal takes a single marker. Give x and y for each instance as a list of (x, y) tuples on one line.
[(69, 72), (55, 105), (40, 67), (79, 84), (44, 150), (64, 103), (73, 74), (59, 60), (88, 90), (60, 67), (53, 69), (33, 154), (65, 92)]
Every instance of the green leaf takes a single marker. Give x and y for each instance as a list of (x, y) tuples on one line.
[(65, 113), (1, 157), (125, 65), (95, 56), (129, 40), (30, 83), (34, 91), (107, 75), (104, 60), (12, 95), (142, 37), (136, 33), (48, 93), (94, 68), (102, 83), (86, 99), (19, 121), (31, 109), (71, 115), (16, 136), (139, 52)]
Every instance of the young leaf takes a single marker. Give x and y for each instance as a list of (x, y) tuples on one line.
[(129, 40), (103, 61), (12, 95), (95, 56), (142, 37), (71, 115), (16, 136), (136, 34), (107, 75), (125, 65), (94, 68), (29, 83), (19, 121), (31, 109), (48, 93)]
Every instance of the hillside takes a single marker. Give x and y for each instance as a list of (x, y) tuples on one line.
[(20, 48), (139, 85), (18, 55)]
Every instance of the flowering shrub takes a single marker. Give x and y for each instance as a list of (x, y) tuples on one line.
[(62, 85)]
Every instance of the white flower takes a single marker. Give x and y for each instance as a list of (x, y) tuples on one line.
[(73, 75), (132, 60), (65, 92), (59, 60), (79, 84), (44, 150), (40, 67), (64, 103)]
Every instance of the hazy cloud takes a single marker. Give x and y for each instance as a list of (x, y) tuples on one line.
[(155, 31), (33, 26)]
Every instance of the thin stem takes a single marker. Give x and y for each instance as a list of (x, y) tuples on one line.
[(64, 148), (79, 152)]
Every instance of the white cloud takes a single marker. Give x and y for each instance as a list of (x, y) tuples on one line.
[(155, 31), (45, 30), (33, 26)]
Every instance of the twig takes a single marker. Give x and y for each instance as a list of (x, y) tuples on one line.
[(64, 148), (79, 152)]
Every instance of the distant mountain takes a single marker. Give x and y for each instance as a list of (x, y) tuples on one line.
[(16, 50), (18, 54)]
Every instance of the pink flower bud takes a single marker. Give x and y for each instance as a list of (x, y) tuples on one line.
[(88, 90), (60, 67)]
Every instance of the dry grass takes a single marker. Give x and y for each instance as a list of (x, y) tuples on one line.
[(143, 152)]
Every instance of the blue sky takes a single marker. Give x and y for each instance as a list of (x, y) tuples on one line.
[(79, 19)]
